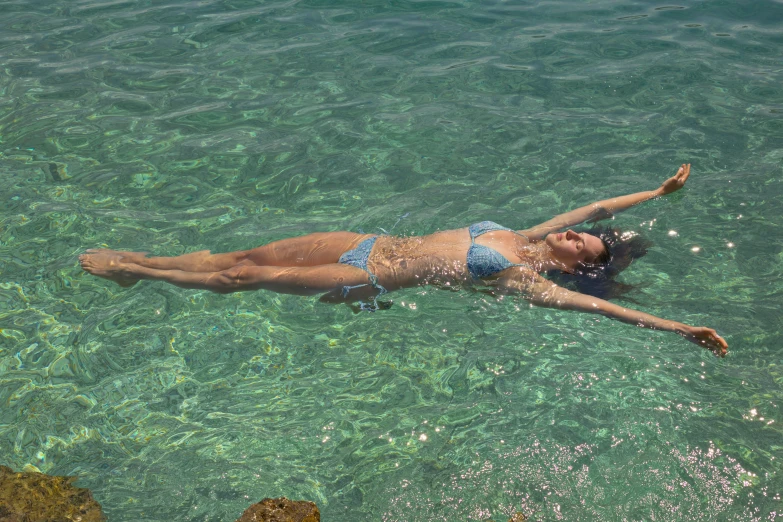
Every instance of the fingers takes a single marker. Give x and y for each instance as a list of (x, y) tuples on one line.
[(722, 344), (718, 346), (709, 339), (713, 341), (680, 178)]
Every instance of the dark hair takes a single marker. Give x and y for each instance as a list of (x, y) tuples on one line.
[(597, 278)]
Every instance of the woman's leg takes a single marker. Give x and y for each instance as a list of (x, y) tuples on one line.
[(286, 280), (321, 248), (310, 250)]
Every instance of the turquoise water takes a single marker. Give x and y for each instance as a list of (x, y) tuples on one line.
[(177, 126)]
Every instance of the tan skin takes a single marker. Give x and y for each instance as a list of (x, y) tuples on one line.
[(308, 265)]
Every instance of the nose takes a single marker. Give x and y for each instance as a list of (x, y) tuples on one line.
[(571, 235)]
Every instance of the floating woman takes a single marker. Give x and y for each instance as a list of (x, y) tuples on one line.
[(345, 267)]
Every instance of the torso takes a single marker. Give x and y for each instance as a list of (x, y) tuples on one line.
[(439, 258)]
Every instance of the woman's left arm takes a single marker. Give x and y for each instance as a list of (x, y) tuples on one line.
[(542, 292), (607, 207)]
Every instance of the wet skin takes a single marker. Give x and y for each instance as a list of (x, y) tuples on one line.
[(308, 265)]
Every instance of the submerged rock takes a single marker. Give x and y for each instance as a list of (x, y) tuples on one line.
[(29, 497), (58, 171), (281, 510)]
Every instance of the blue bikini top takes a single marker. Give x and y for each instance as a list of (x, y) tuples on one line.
[(483, 261)]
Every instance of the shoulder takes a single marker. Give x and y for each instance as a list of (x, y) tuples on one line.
[(538, 232), (523, 280)]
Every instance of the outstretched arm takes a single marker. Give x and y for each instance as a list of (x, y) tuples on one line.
[(606, 208), (542, 292)]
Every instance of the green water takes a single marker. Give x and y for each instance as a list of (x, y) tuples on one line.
[(174, 126)]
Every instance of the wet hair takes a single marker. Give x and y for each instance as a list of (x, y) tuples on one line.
[(597, 277)]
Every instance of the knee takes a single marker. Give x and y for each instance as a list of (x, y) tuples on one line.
[(219, 262), (228, 281)]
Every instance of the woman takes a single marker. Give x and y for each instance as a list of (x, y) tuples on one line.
[(347, 267)]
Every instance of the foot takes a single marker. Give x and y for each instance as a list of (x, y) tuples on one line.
[(125, 257), (108, 265)]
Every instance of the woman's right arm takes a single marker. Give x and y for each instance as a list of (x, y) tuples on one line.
[(542, 292), (607, 207)]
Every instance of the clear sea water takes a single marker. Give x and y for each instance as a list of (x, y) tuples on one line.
[(172, 126)]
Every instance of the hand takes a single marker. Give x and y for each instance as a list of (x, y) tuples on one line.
[(707, 338), (677, 181)]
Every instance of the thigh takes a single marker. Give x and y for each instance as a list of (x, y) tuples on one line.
[(311, 250), (298, 280)]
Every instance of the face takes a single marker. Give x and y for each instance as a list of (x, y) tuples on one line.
[(573, 249)]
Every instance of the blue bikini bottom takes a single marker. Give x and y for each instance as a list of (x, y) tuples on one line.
[(358, 257)]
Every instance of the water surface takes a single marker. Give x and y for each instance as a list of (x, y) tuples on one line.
[(175, 126)]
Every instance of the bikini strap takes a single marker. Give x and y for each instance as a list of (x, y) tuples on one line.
[(481, 228), (372, 306)]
